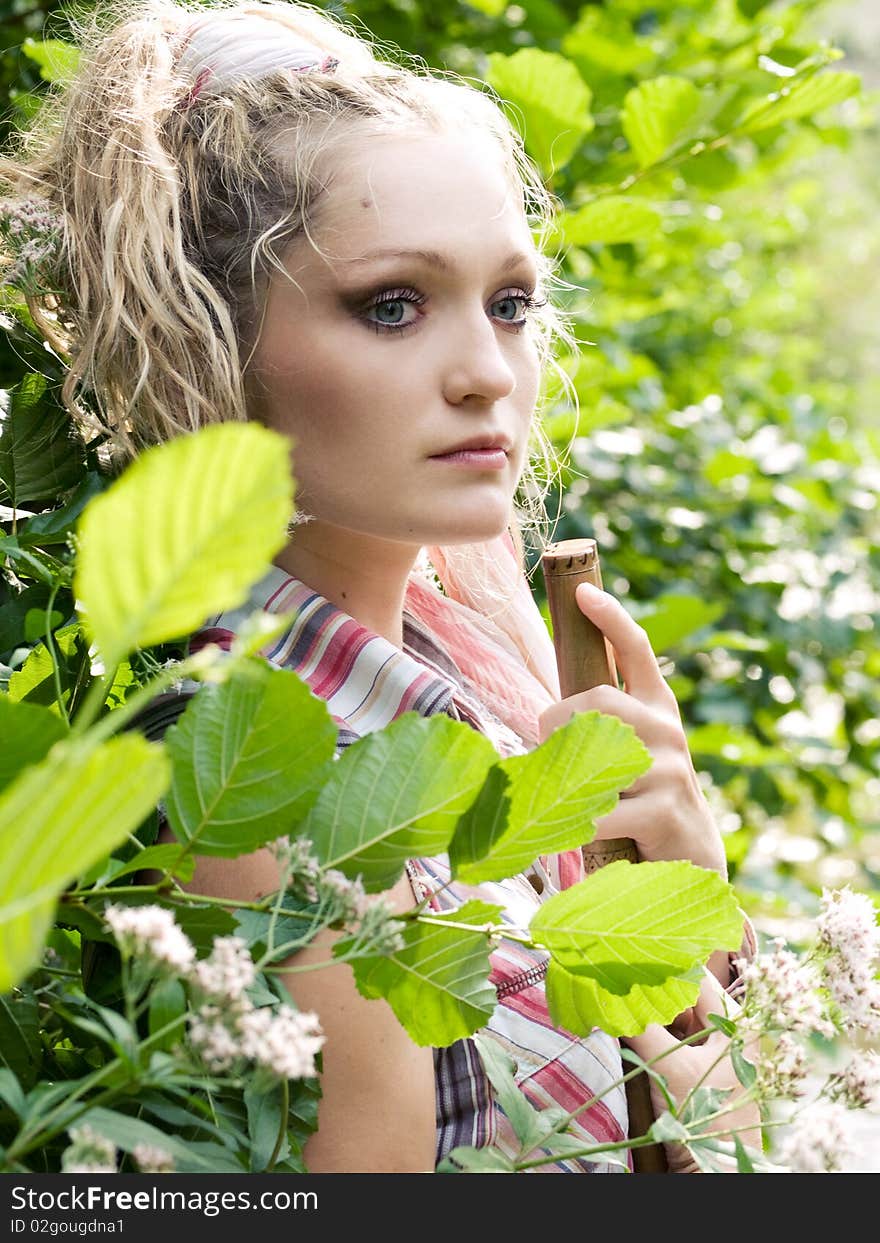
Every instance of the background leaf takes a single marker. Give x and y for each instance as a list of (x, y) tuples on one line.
[(658, 114), (39, 453), (553, 98), (21, 1051)]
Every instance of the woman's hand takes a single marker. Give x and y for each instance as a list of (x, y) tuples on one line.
[(707, 1064), (664, 812)]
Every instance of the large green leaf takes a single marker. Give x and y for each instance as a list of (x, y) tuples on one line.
[(40, 454), (56, 820), (546, 801), (552, 97), (20, 1048), (438, 984), (801, 99), (612, 219), (249, 757), (397, 794), (27, 734), (185, 532), (658, 114), (642, 923), (579, 1003)]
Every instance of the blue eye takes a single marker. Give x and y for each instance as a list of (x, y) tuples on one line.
[(391, 302)]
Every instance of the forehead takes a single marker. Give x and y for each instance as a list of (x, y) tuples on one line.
[(442, 192)]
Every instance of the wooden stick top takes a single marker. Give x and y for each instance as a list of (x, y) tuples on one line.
[(570, 556)]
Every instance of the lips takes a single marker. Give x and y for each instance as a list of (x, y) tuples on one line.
[(477, 443)]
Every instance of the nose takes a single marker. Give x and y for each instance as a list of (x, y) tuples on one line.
[(478, 366)]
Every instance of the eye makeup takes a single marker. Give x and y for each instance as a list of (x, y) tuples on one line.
[(407, 294)]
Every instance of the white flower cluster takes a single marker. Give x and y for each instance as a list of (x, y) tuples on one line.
[(150, 1159), (88, 1153), (229, 970), (858, 1085), (152, 932), (228, 1029), (819, 1140), (782, 994), (34, 232), (849, 946)]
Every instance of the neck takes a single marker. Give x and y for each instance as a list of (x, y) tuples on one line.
[(363, 575)]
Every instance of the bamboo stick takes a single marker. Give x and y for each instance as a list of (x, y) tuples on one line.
[(584, 660)]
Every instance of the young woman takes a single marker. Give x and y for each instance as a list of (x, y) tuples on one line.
[(263, 220)]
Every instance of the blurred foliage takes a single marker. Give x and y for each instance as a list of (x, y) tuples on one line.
[(714, 168)]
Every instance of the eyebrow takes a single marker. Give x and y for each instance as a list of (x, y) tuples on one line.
[(434, 259)]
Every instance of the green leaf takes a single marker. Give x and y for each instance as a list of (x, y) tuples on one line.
[(745, 1071), (801, 99), (546, 801), (40, 454), (657, 115), (736, 746), (492, 8), (608, 40), (673, 617), (438, 984), (396, 795), (57, 819), (11, 1092), (551, 102), (500, 1067), (667, 1130), (579, 1004), (20, 1049), (153, 858), (264, 1122), (127, 1132), (34, 682), (639, 923), (608, 220), (55, 526), (168, 544), (249, 757), (476, 1161), (167, 1003), (17, 614), (28, 733), (58, 61)]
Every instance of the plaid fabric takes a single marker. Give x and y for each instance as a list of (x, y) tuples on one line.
[(367, 682)]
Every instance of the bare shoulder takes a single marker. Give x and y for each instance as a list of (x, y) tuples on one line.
[(377, 1112)]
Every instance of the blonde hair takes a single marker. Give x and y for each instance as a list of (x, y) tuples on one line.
[(171, 217)]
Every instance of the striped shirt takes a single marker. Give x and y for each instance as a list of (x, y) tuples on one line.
[(367, 682)]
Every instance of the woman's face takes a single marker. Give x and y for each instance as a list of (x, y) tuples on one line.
[(375, 366)]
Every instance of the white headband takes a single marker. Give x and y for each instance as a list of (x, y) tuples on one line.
[(226, 48)]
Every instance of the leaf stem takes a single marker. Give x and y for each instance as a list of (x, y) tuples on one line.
[(282, 1128)]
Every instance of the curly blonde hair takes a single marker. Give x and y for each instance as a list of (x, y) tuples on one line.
[(174, 207)]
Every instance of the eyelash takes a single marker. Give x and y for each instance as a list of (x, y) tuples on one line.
[(413, 297)]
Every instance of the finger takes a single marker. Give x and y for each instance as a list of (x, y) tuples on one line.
[(655, 730), (632, 648)]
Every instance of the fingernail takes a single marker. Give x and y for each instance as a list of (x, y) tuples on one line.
[(591, 589)]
